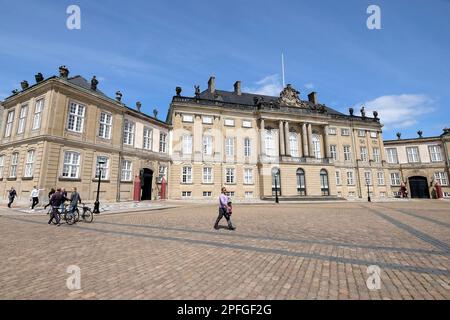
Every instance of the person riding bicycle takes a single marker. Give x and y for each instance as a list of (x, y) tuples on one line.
[(55, 201), (74, 200)]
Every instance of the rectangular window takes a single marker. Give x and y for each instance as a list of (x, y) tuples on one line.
[(207, 175), (376, 155), (333, 152), (380, 178), (247, 147), (269, 143), (14, 162), (338, 177), (207, 145), (229, 122), (22, 119), (186, 174), (9, 123), (246, 124), (332, 131), (435, 153), (162, 142), (128, 132), (186, 194), (102, 165), (363, 154), (442, 178), (361, 133), (392, 156), (148, 138), (75, 121), (345, 132), (127, 170), (248, 194), (207, 120), (229, 146), (373, 134), (188, 118), (29, 164), (104, 130), (351, 194), (413, 154), (293, 144), (347, 153), (229, 194), (71, 166), (207, 194), (187, 144), (350, 178), (37, 119), (368, 178), (2, 165), (162, 173), (229, 175), (248, 176), (395, 178)]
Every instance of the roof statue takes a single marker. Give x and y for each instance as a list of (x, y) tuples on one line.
[(289, 97)]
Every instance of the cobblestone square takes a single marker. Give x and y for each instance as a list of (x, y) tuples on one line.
[(286, 251)]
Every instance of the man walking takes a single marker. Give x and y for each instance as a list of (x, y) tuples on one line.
[(34, 195), (74, 200), (55, 201), (223, 210), (11, 196)]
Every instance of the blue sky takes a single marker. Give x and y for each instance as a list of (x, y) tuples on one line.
[(147, 48)]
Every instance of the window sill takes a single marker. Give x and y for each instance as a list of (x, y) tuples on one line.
[(27, 178), (69, 179), (126, 182), (186, 183), (102, 181), (11, 178)]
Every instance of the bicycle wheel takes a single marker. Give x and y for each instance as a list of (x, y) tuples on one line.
[(87, 215), (77, 215), (70, 218), (54, 218)]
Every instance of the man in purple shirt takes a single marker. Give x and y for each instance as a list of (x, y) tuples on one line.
[(223, 210)]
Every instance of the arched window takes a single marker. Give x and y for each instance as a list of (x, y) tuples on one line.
[(324, 183), (316, 146), (276, 181), (301, 184)]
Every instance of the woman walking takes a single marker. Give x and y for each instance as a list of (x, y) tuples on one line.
[(224, 210)]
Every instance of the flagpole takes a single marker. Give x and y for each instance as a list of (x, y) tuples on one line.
[(282, 68)]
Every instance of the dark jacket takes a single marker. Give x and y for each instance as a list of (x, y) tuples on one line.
[(12, 194), (57, 199), (75, 199)]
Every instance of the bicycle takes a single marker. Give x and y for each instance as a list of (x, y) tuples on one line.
[(69, 217), (87, 215)]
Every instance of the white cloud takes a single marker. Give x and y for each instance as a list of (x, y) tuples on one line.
[(309, 85), (398, 111), (269, 86)]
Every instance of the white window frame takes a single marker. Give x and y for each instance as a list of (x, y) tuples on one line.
[(413, 157), (105, 125), (435, 152), (345, 132), (269, 142), (186, 174), (350, 178), (333, 152), (128, 132), (9, 123), (29, 163), (247, 147), (392, 155), (2, 165), (207, 119), (380, 178), (332, 131), (162, 173), (207, 145), (347, 153), (230, 175), (373, 134), (316, 146), (229, 146), (362, 133), (441, 177), (187, 144), (104, 167), (376, 154), (293, 144), (186, 194), (73, 167), (75, 119), (246, 124), (162, 142), (395, 179), (368, 178), (229, 122), (126, 174), (188, 118), (207, 176), (363, 151), (248, 176), (338, 177), (22, 119), (37, 118), (14, 165), (147, 141)]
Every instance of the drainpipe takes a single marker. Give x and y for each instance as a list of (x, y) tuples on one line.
[(358, 182), (119, 171)]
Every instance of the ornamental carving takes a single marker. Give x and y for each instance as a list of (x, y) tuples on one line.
[(290, 97)]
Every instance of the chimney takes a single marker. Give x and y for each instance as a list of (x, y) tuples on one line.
[(312, 97), (212, 84), (237, 88), (138, 106)]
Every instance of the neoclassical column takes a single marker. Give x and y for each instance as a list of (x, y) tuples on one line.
[(262, 136), (310, 145), (325, 142), (286, 138), (281, 139), (305, 141)]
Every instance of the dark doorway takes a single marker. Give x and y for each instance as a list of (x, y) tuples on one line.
[(419, 187), (146, 184)]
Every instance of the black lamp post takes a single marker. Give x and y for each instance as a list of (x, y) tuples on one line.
[(276, 186), (368, 190), (97, 202)]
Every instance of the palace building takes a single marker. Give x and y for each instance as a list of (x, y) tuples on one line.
[(63, 131), (257, 146), (419, 164)]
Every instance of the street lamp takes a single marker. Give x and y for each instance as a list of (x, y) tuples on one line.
[(277, 173), (97, 203), (368, 191)]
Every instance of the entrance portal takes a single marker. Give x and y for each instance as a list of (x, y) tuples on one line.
[(146, 184), (419, 187)]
